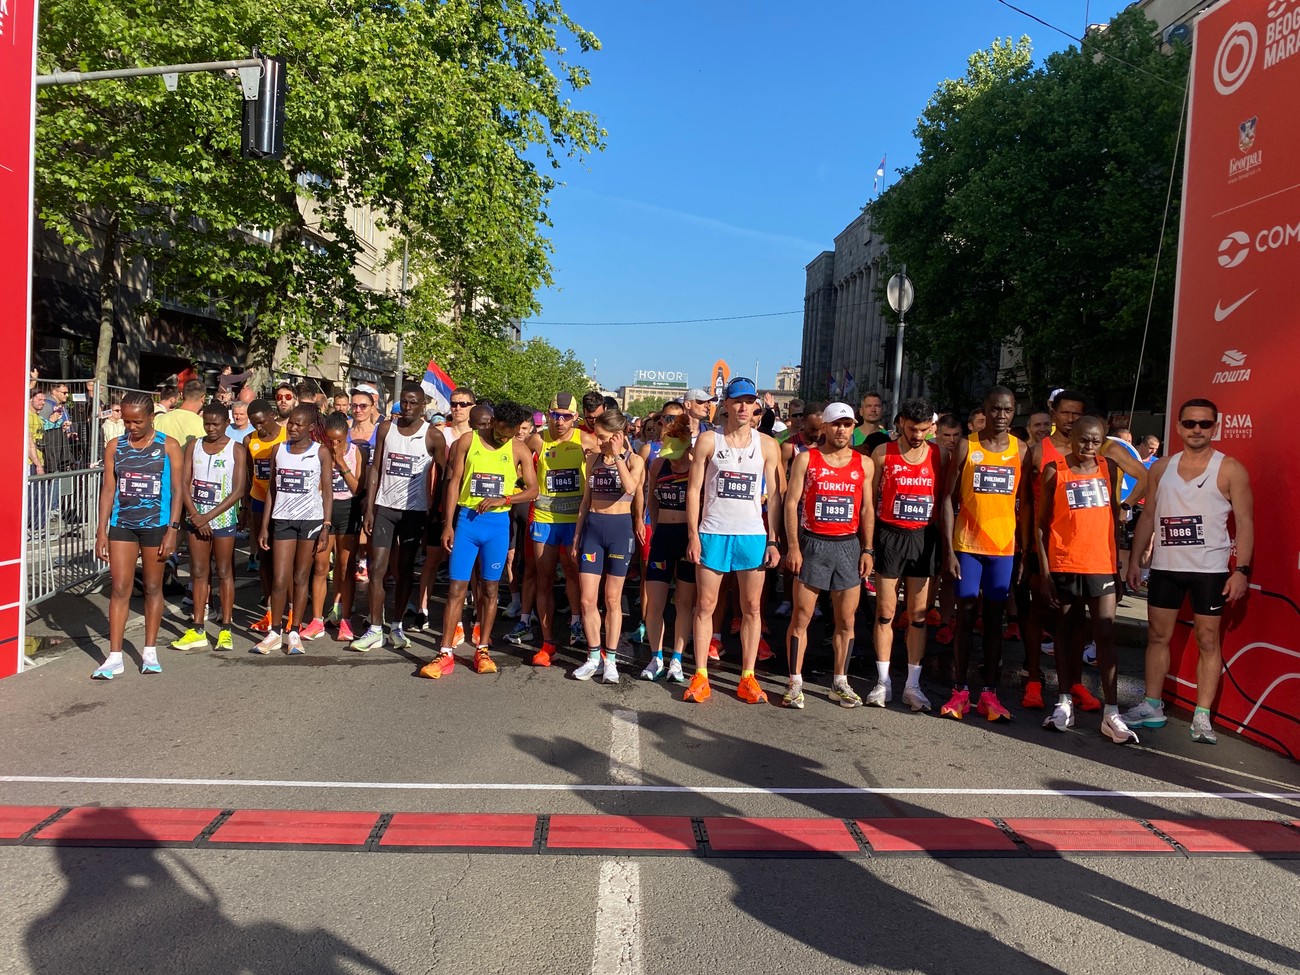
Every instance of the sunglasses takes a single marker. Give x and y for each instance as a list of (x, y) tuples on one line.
[(563, 416), (461, 406), (283, 399), (1193, 424), (361, 406)]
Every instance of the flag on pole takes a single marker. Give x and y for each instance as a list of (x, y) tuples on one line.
[(438, 386), (850, 386), (834, 386), (880, 175)]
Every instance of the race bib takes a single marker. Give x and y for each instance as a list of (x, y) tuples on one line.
[(289, 480), (1087, 494), (606, 481), (913, 507), (400, 465), (834, 509), (262, 468), (672, 496), (1182, 530), (487, 486), (737, 485), (993, 480), (133, 484), (206, 492), (563, 481), (340, 484)]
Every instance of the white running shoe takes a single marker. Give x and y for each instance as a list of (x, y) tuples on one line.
[(675, 671), (113, 667), (1203, 730), (793, 696), (369, 640), (398, 638), (293, 643), (915, 698), (1114, 728), (784, 609), (269, 642), (655, 669), (609, 672), (1144, 715), (1061, 718), (149, 663), (1049, 647), (845, 696), (1090, 654), (588, 669), (881, 694)]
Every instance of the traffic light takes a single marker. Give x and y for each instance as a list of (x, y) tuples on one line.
[(262, 133)]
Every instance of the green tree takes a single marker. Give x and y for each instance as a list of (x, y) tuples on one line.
[(432, 116), (651, 404), (1032, 218)]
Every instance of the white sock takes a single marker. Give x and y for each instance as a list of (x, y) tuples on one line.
[(446, 651), (717, 636), (914, 675), (1110, 710), (375, 628), (573, 618), (525, 618), (840, 680), (1065, 699), (113, 659), (796, 681), (882, 671), (149, 652)]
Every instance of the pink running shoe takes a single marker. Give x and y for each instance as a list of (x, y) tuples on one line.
[(345, 632), (313, 630), (991, 707), (958, 706)]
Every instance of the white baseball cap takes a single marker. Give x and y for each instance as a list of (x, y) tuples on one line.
[(838, 411)]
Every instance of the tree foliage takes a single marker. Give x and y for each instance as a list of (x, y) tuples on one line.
[(1032, 218)]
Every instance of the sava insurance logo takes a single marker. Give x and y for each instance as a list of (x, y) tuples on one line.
[(1236, 57), (1234, 426)]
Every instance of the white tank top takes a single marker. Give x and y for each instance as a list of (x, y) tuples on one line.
[(212, 477), (341, 490), (1191, 521), (733, 487), (404, 478), (297, 485)]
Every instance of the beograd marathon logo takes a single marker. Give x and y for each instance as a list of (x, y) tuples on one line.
[(1235, 57)]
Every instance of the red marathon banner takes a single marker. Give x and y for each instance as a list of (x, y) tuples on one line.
[(1237, 337), (17, 119)]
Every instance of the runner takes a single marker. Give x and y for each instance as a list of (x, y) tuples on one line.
[(830, 551), (1075, 541), (214, 476), (605, 541), (906, 482), (724, 519), (347, 477), (593, 405), (948, 434), (984, 477), (139, 517), (261, 443), (483, 465), (669, 478), (462, 402), (561, 473), (1190, 498), (401, 478), (364, 409), (698, 406), (286, 399), (873, 412), (807, 433), (299, 505)]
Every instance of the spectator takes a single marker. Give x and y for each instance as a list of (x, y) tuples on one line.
[(113, 425), (247, 395), (239, 426), (183, 423), (60, 435), (168, 394), (342, 403), (36, 432), (286, 398)]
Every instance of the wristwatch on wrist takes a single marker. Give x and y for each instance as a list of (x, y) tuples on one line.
[(1244, 570), (869, 551), (175, 526)]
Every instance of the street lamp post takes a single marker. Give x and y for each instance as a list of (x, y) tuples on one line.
[(901, 294)]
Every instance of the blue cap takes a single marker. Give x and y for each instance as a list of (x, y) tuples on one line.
[(739, 387)]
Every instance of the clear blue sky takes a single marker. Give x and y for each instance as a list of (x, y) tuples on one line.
[(742, 138)]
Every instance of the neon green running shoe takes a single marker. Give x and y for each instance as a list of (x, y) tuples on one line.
[(193, 639), (225, 641)]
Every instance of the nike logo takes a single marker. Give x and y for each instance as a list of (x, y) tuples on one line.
[(1215, 609), (1220, 313), (1203, 480)]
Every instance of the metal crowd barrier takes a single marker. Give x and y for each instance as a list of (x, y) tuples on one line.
[(62, 515)]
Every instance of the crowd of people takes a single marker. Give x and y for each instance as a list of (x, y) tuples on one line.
[(971, 526)]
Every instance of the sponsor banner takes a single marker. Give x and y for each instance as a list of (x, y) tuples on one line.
[(1237, 334), (17, 118)]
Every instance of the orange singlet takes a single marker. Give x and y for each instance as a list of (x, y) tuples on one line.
[(986, 523), (1082, 535)]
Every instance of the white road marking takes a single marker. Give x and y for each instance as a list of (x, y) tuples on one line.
[(625, 748), (703, 790), (617, 950)]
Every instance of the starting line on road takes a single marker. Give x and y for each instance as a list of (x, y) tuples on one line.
[(606, 835)]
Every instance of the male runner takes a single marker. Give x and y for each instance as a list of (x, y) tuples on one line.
[(831, 550), (698, 404), (984, 476), (398, 487), (724, 519), (1188, 503), (593, 405), (462, 402), (873, 412), (907, 479), (484, 466), (561, 451)]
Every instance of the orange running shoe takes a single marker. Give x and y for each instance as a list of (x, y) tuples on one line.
[(991, 707), (715, 649), (735, 625), (439, 666), (483, 663), (478, 637), (933, 618), (764, 650), (262, 625), (1083, 698), (459, 637), (699, 689), (542, 658), (749, 691), (958, 706), (945, 634), (1033, 698)]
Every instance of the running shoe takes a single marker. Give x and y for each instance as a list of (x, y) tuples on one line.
[(514, 609), (362, 574), (1090, 655), (880, 695), (314, 630), (520, 633), (1114, 728), (991, 708), (194, 639), (1012, 632), (1202, 729), (288, 622), (344, 634), (1048, 647), (149, 663), (1145, 715), (542, 658), (945, 635), (262, 625), (817, 609), (439, 666), (793, 696), (933, 618), (699, 690), (372, 638), (675, 671), (785, 608), (1083, 697), (609, 672), (846, 697), (293, 643), (421, 622), (333, 618), (915, 698), (871, 586), (1033, 699), (587, 669), (225, 641), (735, 625), (458, 637), (764, 650), (638, 636), (269, 642), (958, 706), (398, 638), (749, 691), (899, 621), (107, 671), (577, 635), (1061, 718), (715, 649), (478, 637), (253, 565), (655, 669), (483, 662)]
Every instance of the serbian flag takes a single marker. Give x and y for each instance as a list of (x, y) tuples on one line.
[(438, 385), (880, 174)]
